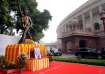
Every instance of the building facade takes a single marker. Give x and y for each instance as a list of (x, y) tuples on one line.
[(83, 27)]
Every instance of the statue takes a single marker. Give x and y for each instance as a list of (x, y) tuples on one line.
[(25, 20), (26, 23)]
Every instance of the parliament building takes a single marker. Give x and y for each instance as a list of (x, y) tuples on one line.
[(83, 27)]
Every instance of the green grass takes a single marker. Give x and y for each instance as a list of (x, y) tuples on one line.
[(98, 62)]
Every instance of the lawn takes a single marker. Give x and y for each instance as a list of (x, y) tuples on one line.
[(98, 62)]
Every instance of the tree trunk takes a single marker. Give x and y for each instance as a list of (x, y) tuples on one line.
[(11, 31), (2, 31)]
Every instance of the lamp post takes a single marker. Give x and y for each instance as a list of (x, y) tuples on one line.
[(103, 19)]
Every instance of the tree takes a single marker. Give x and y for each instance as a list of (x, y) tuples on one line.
[(40, 23), (5, 18), (40, 19)]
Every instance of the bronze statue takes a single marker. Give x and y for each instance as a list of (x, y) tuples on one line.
[(26, 23)]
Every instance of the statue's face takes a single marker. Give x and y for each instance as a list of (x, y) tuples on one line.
[(22, 14)]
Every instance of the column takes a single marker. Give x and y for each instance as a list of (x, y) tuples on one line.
[(83, 22), (64, 28), (91, 20), (67, 28), (101, 22), (100, 9), (63, 44)]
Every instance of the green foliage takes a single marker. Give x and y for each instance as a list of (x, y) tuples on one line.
[(5, 18), (37, 36), (4, 65), (11, 66), (2, 60), (21, 61), (98, 62), (7, 66)]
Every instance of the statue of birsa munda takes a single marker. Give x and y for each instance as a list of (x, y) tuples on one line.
[(26, 24)]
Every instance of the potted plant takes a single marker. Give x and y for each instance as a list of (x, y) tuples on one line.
[(21, 62), (1, 61), (6, 67)]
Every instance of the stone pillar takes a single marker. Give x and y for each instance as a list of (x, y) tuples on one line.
[(100, 8), (69, 28), (101, 22), (65, 28), (77, 43), (83, 22), (63, 44), (102, 16), (69, 45), (59, 43), (91, 20)]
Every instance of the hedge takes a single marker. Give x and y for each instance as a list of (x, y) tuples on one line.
[(98, 62)]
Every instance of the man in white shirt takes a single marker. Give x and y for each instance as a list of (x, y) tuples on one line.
[(37, 53)]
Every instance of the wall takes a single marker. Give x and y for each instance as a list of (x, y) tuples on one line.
[(101, 43), (5, 40)]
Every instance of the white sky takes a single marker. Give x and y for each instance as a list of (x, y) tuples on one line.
[(59, 9)]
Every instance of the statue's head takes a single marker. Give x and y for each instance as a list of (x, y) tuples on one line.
[(25, 12)]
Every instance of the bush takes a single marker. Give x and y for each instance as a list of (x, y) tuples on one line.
[(82, 61), (5, 65), (11, 66), (21, 61), (2, 60)]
